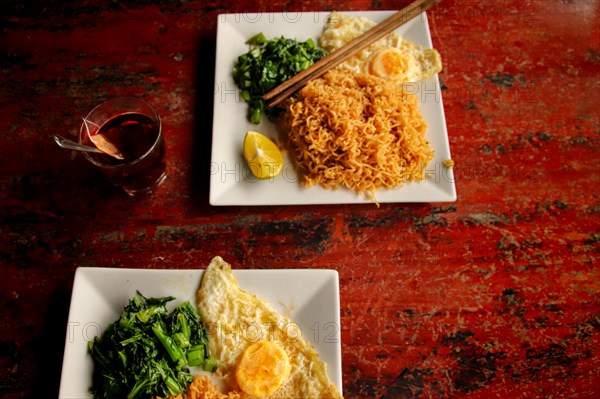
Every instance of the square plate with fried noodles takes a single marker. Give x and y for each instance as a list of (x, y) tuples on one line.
[(232, 183)]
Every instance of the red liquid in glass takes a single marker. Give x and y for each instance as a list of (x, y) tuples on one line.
[(135, 136)]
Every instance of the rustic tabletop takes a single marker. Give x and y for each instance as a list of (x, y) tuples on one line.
[(494, 295)]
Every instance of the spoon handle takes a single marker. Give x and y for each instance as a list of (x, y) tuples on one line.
[(71, 145)]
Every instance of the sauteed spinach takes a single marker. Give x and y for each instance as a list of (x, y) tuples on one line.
[(146, 352), (268, 64)]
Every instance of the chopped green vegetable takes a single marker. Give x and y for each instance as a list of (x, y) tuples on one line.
[(147, 351), (266, 65), (210, 364), (195, 356), (257, 39)]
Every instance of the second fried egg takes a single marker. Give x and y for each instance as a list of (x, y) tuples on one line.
[(260, 352), (390, 57)]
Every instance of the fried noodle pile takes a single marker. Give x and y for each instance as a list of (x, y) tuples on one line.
[(356, 131), (203, 388)]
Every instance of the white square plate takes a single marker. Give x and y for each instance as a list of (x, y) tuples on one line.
[(231, 182), (309, 297)]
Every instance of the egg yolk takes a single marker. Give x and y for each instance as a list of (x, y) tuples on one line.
[(262, 369), (391, 63)]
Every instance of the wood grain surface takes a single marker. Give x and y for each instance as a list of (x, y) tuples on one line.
[(495, 295)]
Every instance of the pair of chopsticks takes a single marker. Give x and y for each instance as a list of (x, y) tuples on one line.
[(290, 86)]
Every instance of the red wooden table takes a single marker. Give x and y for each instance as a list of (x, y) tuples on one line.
[(495, 295)]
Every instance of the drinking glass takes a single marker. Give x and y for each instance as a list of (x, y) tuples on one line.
[(134, 127)]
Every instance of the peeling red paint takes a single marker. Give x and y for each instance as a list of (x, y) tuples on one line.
[(495, 295)]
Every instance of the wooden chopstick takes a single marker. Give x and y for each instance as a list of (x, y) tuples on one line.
[(290, 86)]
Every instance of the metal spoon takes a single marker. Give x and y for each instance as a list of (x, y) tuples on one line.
[(71, 145)]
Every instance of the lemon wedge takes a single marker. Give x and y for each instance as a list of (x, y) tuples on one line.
[(264, 158)]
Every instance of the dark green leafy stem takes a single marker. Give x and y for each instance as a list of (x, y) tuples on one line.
[(146, 352), (266, 65)]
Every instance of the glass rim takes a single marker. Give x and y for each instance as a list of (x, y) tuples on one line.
[(136, 160)]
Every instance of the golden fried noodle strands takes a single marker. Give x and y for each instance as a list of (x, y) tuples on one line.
[(356, 131), (203, 388)]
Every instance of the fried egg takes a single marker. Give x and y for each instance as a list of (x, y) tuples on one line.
[(260, 353), (391, 57)]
